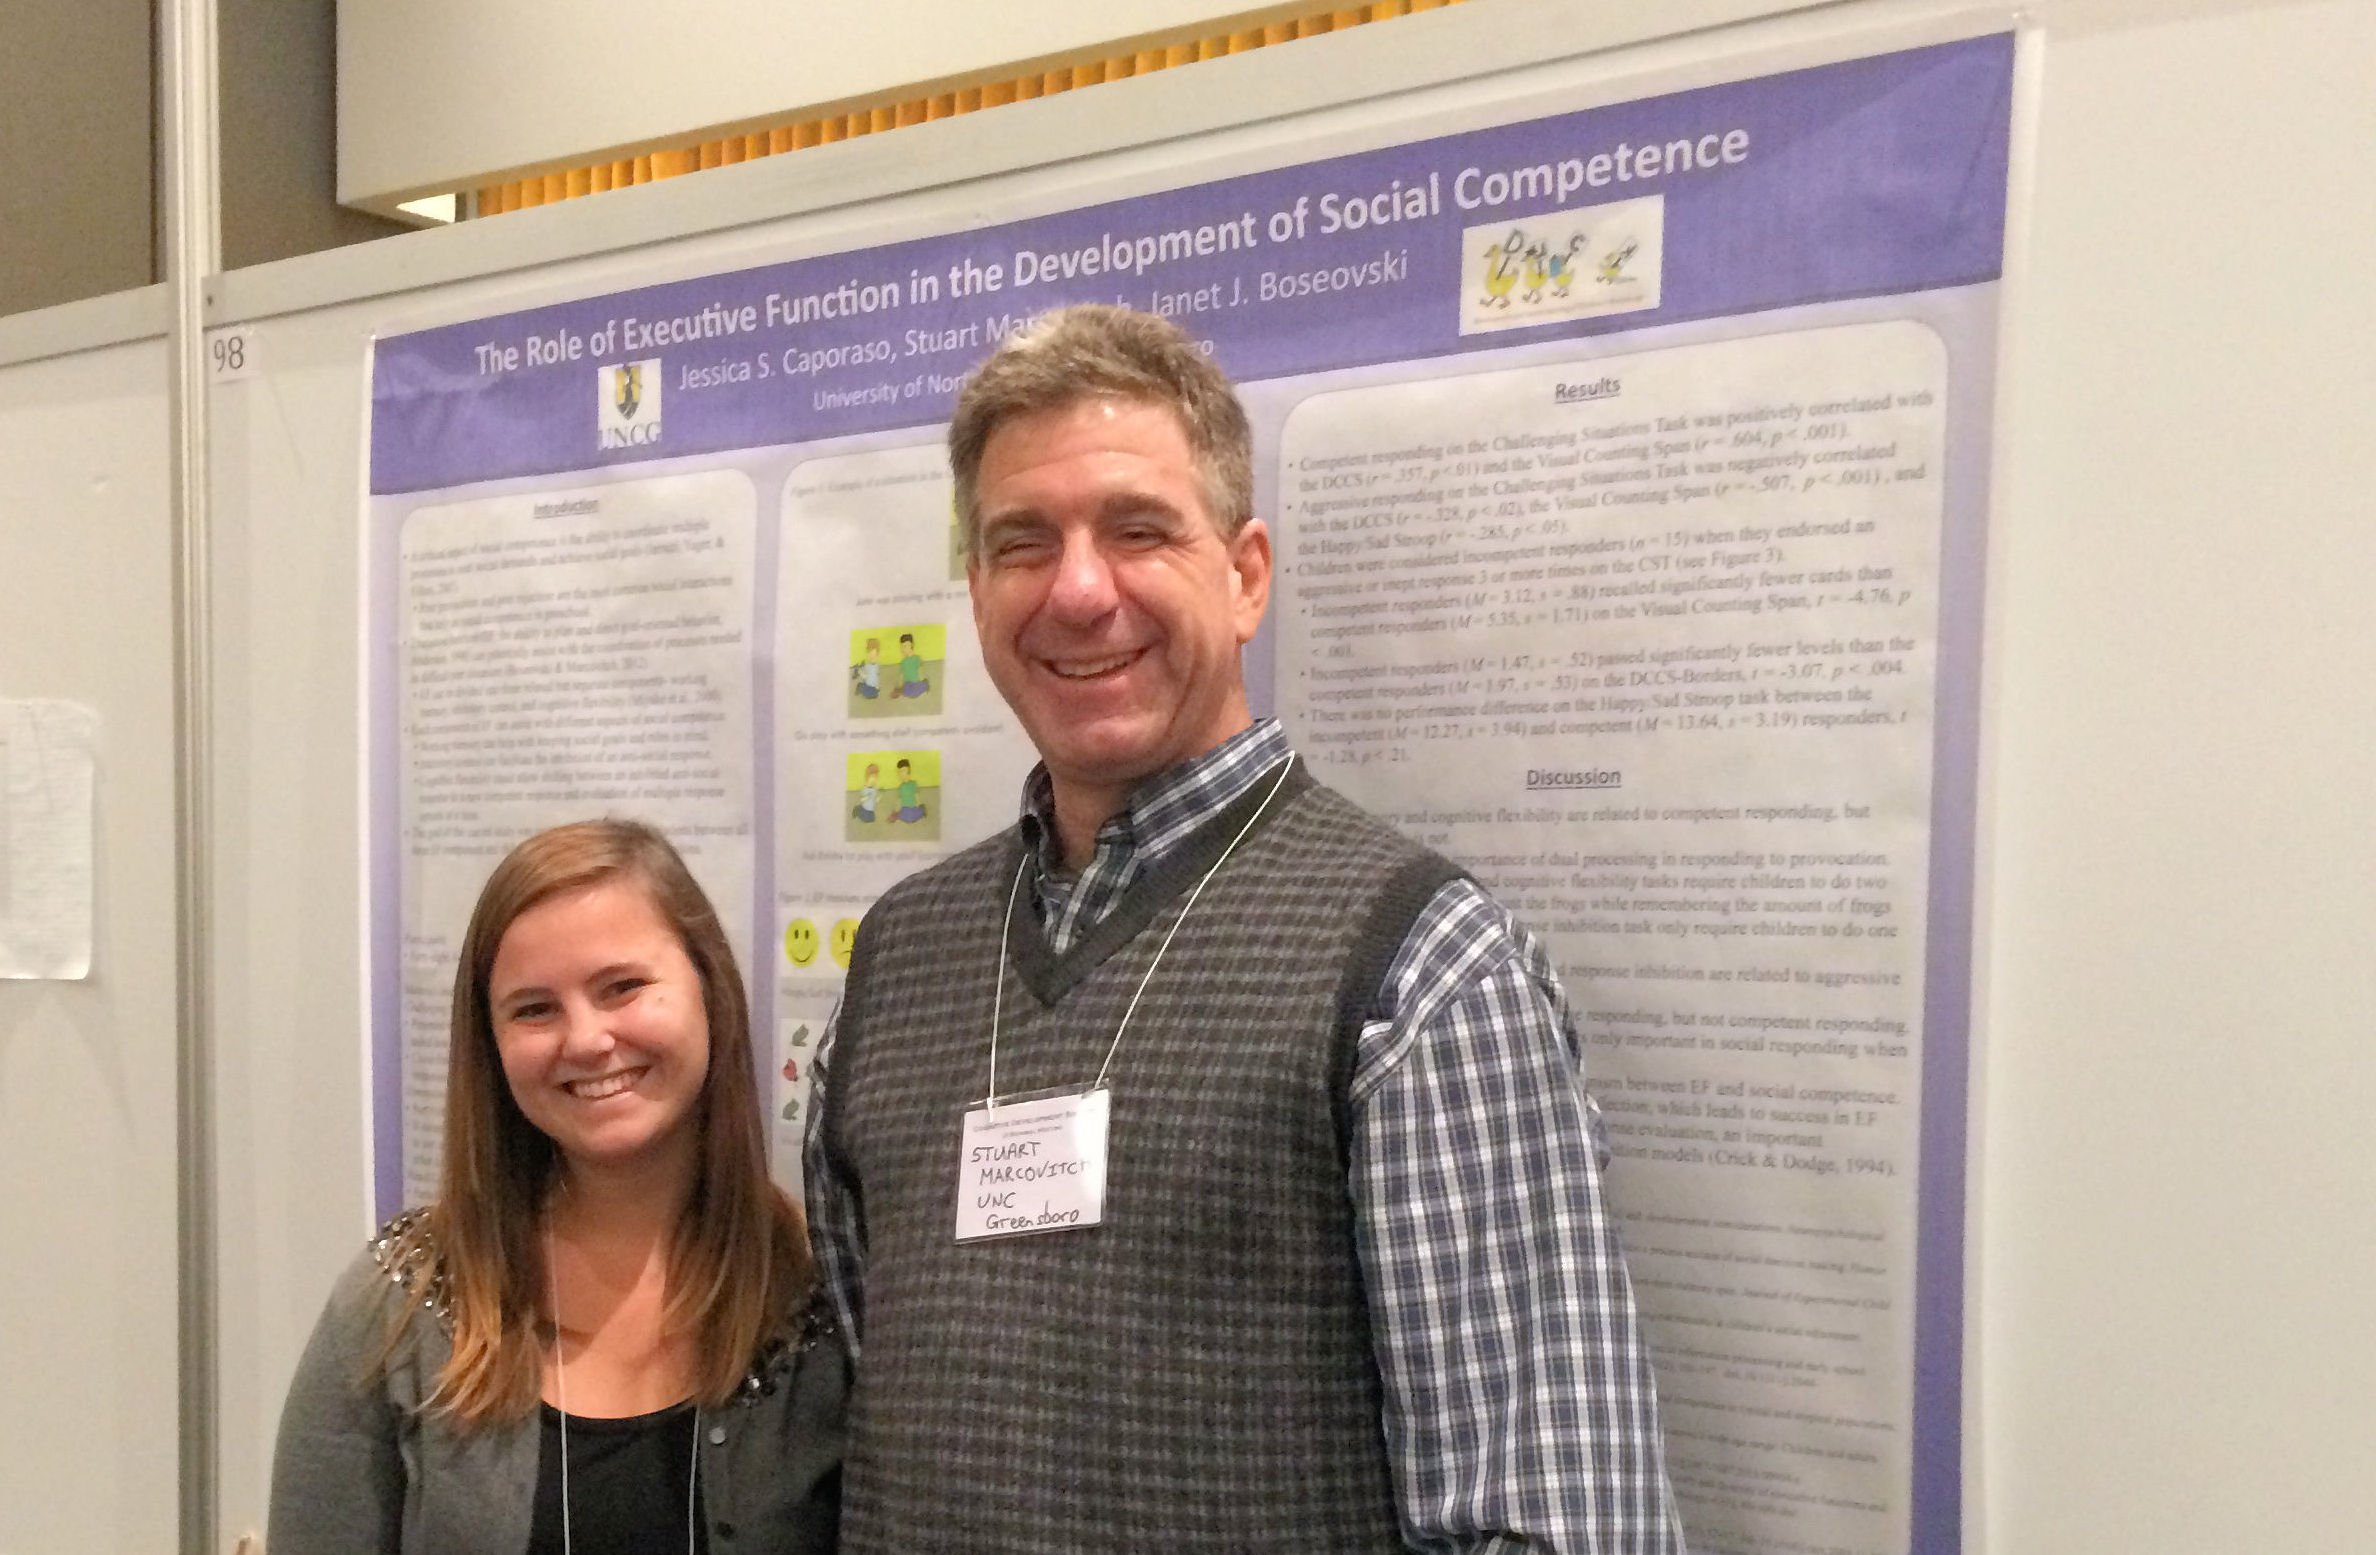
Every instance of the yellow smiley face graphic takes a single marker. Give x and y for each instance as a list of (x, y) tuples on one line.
[(845, 935), (800, 942)]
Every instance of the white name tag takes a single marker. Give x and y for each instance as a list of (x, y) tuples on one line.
[(1033, 1164)]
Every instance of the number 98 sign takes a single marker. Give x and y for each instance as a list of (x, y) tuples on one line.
[(230, 355)]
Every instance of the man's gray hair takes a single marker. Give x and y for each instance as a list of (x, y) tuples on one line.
[(1095, 350)]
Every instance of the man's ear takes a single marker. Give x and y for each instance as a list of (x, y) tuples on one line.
[(1250, 570)]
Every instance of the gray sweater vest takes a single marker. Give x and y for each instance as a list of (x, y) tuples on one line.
[(1194, 1374)]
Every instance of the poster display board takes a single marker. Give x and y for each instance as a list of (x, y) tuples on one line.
[(1628, 475)]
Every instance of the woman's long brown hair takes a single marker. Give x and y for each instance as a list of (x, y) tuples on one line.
[(740, 1263)]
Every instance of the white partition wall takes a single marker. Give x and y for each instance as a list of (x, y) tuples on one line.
[(89, 1379), (2171, 1238), (2175, 1176)]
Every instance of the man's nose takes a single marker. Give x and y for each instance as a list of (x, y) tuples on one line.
[(1083, 589)]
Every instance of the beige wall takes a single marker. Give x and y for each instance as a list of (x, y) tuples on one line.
[(80, 168), (76, 191), (279, 122)]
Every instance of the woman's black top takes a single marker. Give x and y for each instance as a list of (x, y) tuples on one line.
[(629, 1483)]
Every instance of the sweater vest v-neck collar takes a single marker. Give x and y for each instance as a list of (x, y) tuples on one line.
[(1051, 976)]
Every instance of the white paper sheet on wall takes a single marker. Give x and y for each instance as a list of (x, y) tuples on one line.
[(46, 761)]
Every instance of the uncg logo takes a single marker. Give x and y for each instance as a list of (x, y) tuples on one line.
[(629, 407)]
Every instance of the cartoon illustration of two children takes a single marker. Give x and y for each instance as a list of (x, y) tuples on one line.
[(868, 672), (906, 684), (911, 806)]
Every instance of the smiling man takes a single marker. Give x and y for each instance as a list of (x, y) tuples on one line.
[(1330, 1267)]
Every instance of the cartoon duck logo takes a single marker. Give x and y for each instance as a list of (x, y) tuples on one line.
[(1561, 268), (1538, 273), (1526, 269), (1502, 263), (1612, 265)]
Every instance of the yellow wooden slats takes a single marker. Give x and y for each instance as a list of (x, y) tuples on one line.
[(878, 118)]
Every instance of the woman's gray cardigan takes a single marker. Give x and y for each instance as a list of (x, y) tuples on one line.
[(360, 1470)]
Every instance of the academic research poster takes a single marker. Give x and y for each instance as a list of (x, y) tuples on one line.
[(1628, 475)]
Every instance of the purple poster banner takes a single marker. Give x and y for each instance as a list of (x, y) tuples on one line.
[(1866, 178)]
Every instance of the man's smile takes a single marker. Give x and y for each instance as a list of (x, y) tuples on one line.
[(1091, 669)]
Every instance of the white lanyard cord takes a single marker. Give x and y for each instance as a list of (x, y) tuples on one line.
[(561, 1403), (560, 1379), (1116, 1046), (998, 985)]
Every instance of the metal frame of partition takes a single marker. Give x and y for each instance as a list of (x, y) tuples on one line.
[(193, 253)]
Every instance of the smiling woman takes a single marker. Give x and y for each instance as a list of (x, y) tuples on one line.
[(599, 1021), (609, 1308)]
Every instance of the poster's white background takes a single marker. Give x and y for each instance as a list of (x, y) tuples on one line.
[(2179, 883)]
